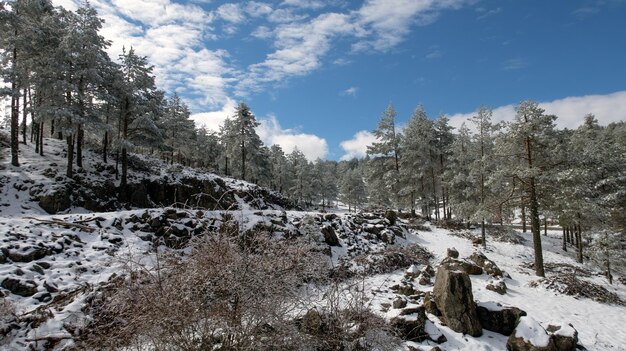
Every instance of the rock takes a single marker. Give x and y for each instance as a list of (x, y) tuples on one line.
[(460, 265), (486, 264), (424, 279), (20, 287), (565, 336), (399, 302), (434, 333), (430, 305), (312, 322), (404, 289), (529, 335), (55, 201), (498, 286), (28, 254), (3, 258), (452, 253), (454, 298), (391, 216), (499, 319), (330, 237), (410, 327)]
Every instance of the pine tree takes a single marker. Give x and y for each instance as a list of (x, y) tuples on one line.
[(384, 165), (241, 142)]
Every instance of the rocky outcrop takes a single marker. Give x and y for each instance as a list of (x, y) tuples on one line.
[(497, 318), (454, 298), (20, 287), (529, 335)]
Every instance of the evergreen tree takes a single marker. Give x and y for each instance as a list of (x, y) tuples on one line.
[(384, 166), (241, 142)]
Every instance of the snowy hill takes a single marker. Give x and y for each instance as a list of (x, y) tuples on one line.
[(55, 269)]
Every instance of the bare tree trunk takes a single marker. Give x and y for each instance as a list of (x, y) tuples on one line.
[(564, 240), (80, 134), (70, 155), (545, 226), (24, 115), (534, 215), (523, 218), (580, 243), (41, 137)]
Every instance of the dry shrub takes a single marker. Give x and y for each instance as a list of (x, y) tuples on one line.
[(505, 234), (569, 284), (229, 293)]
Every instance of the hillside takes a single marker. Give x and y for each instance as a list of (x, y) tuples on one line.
[(57, 269)]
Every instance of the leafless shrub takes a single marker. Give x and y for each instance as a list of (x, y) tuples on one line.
[(569, 284), (7, 317)]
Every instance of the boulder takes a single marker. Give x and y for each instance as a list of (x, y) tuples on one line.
[(461, 265), (27, 254), (452, 253), (498, 318), (20, 287), (430, 305), (486, 264), (399, 302), (498, 286), (565, 336), (454, 298), (411, 327), (330, 237), (391, 216), (529, 335), (55, 201)]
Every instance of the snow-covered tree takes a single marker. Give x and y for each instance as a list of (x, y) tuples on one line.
[(241, 142)]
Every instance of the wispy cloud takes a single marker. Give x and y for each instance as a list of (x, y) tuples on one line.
[(484, 12), (351, 91), (514, 64), (434, 52), (570, 110)]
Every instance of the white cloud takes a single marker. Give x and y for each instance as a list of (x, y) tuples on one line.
[(357, 146), (271, 133), (231, 13), (305, 4), (570, 110), (351, 91), (258, 9), (215, 119)]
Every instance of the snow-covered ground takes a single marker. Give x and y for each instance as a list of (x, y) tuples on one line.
[(60, 267)]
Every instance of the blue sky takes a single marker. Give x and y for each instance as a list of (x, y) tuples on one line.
[(318, 73)]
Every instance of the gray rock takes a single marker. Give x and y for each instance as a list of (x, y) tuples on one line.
[(565, 337), (498, 286), (399, 302), (499, 319), (454, 298), (330, 237), (20, 287), (452, 253), (529, 335), (411, 327), (486, 264)]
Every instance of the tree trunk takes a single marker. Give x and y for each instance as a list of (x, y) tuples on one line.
[(105, 145), (579, 238), (482, 231), (79, 145), (52, 128), (534, 215), (124, 180), (70, 156), (545, 226), (15, 107), (523, 218), (24, 115), (609, 276), (564, 240)]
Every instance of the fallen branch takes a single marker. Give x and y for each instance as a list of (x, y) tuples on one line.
[(64, 224)]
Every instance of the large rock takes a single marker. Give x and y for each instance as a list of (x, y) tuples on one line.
[(497, 318), (565, 336), (461, 265), (454, 298), (20, 287), (486, 264), (55, 201), (529, 335), (330, 237)]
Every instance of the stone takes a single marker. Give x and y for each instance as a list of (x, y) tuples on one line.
[(20, 287), (460, 265), (497, 318), (498, 286), (399, 302), (28, 254), (411, 327), (565, 336), (330, 237), (452, 253), (391, 216), (55, 201), (529, 335), (430, 305), (424, 279), (486, 264), (454, 298), (312, 322)]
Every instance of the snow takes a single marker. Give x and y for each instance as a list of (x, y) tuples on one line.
[(85, 261), (531, 331)]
